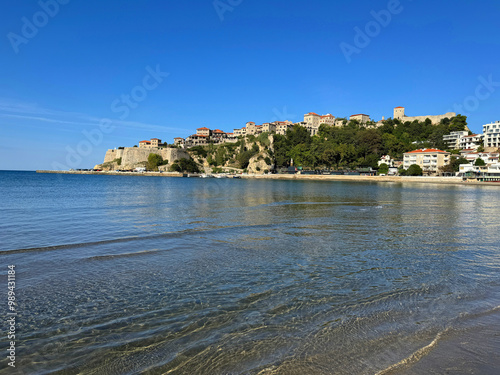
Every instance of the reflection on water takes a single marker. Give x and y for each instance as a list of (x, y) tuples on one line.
[(192, 276)]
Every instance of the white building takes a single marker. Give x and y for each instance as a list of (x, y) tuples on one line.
[(453, 139), (386, 159), (489, 158), (492, 135), (471, 142)]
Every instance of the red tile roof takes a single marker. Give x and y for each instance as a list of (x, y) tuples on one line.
[(312, 113), (218, 131), (203, 129), (359, 114), (399, 107), (155, 139), (425, 151), (144, 142)]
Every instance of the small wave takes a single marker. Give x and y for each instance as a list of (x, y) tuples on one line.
[(176, 234), (123, 255), (413, 358)]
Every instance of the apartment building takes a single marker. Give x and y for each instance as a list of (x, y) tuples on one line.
[(471, 142), (452, 140), (491, 135), (430, 160)]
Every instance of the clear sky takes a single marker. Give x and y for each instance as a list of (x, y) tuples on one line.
[(124, 71)]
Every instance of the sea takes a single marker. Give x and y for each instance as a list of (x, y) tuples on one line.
[(157, 275)]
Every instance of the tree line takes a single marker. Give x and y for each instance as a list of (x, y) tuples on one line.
[(355, 145)]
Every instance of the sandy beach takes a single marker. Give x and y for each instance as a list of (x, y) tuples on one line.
[(393, 179)]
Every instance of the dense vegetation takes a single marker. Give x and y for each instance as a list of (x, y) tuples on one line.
[(154, 161), (185, 165), (354, 145), (236, 155)]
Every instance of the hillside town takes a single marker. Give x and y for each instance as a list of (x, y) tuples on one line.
[(477, 154), (312, 122)]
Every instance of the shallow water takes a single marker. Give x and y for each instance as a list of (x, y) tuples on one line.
[(123, 275)]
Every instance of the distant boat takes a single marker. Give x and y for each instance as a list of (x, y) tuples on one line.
[(220, 175), (236, 176), (205, 175)]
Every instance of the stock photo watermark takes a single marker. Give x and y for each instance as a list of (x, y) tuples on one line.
[(11, 315), (484, 90), (32, 25), (223, 6), (282, 115), (364, 36), (122, 106)]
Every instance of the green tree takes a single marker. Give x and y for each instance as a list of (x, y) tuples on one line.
[(185, 165), (479, 162), (383, 168), (414, 170), (154, 160), (454, 165)]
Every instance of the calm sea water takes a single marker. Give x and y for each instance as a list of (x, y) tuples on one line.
[(123, 275)]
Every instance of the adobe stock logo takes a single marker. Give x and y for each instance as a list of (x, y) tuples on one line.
[(484, 90), (30, 27), (223, 6), (363, 37)]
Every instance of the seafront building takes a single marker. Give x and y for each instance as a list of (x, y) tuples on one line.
[(430, 160), (489, 158)]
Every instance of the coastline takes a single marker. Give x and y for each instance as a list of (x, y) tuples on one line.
[(392, 179)]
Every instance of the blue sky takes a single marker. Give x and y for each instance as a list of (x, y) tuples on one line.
[(67, 67)]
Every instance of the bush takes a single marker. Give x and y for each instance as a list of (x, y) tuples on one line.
[(414, 170), (268, 160), (185, 165), (264, 139), (383, 168), (479, 162), (199, 150), (154, 160)]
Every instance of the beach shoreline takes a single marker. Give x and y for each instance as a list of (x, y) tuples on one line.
[(300, 177)]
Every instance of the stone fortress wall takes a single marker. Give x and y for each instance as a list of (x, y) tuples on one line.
[(131, 156), (399, 113)]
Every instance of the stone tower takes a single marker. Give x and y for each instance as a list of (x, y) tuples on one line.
[(399, 113)]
